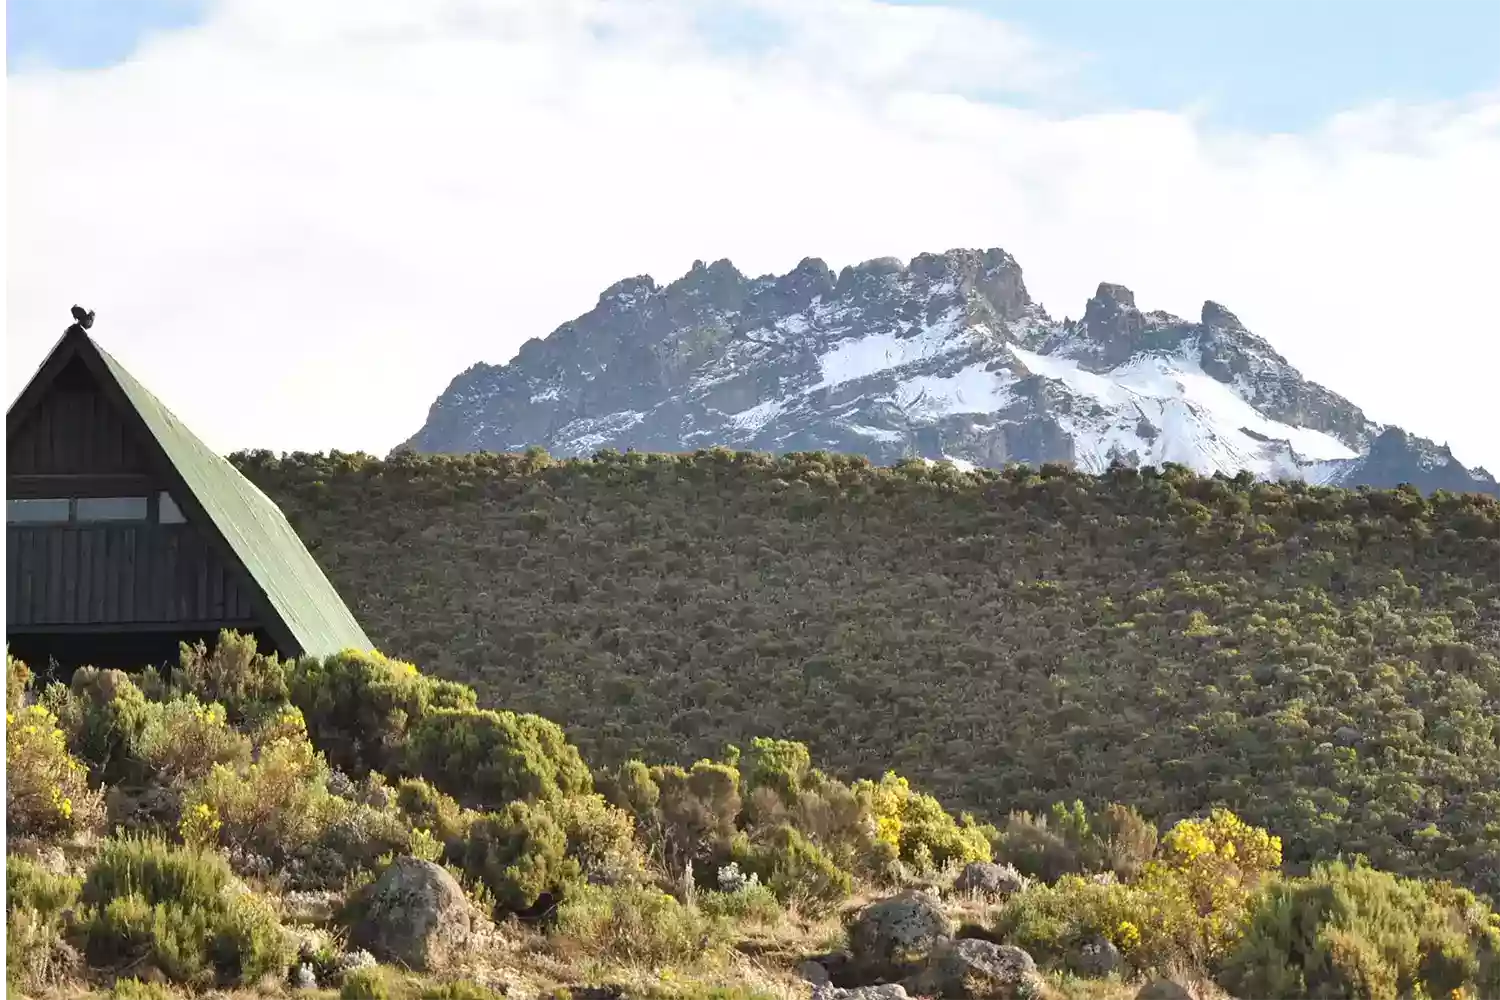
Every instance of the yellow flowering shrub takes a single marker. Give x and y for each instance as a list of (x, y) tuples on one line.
[(916, 826), (47, 793)]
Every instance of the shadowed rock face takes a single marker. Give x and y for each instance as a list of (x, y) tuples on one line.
[(945, 356)]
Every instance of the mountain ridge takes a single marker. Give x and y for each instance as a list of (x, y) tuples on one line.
[(943, 357)]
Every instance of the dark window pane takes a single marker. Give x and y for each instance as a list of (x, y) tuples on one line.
[(48, 511), (168, 512), (111, 508)]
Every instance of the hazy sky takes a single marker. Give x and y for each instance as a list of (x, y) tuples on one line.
[(299, 219)]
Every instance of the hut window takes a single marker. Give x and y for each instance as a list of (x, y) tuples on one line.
[(168, 512), (112, 508), (38, 511)]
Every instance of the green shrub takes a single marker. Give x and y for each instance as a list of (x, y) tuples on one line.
[(916, 828), (462, 989), (601, 839), (29, 885), (634, 925), (47, 792), (106, 718), (364, 984), (180, 911), (359, 705), (234, 675), (798, 872), (486, 759), (134, 989), (277, 807), (35, 900), (184, 739), (519, 854), (1353, 931), (426, 808)]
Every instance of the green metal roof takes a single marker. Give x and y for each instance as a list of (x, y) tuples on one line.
[(254, 527)]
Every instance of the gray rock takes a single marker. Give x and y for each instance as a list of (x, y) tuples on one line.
[(893, 937), (815, 973), (1164, 989), (971, 969), (990, 880), (884, 991), (1095, 958), (416, 915)]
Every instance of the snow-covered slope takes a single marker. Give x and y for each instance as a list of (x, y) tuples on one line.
[(943, 357)]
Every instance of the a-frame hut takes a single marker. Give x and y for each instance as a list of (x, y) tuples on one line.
[(126, 534)]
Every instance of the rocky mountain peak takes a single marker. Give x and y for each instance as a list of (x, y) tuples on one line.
[(945, 356), (1216, 317)]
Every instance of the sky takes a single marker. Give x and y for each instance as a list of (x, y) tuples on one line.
[(298, 220)]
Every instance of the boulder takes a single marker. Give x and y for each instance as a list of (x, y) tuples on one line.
[(1164, 989), (417, 915), (892, 938), (885, 991), (1094, 958), (971, 969), (985, 879)]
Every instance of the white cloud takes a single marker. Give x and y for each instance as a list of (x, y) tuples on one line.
[(299, 221)]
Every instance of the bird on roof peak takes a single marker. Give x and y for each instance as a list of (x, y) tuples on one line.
[(83, 319)]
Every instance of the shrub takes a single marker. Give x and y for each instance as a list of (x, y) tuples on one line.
[(47, 793), (519, 854), (185, 739), (796, 870), (1354, 931), (634, 925), (916, 828), (426, 808), (601, 839), (359, 705), (181, 912), (1038, 851), (462, 989), (487, 759), (277, 807), (367, 983), (106, 717), (134, 989), (35, 899), (234, 675)]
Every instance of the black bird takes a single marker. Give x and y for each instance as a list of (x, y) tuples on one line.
[(84, 317)]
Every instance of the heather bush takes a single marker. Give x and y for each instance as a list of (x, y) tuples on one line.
[(486, 759), (520, 854), (364, 984), (424, 807), (234, 674), (185, 739), (635, 925), (1352, 931), (47, 792), (916, 828), (37, 955), (106, 717), (179, 911), (799, 873), (277, 807), (358, 706)]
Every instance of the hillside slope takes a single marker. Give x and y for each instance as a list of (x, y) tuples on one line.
[(1322, 661), (944, 356)]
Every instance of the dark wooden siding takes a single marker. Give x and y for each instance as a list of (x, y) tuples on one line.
[(74, 430), (99, 574)]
